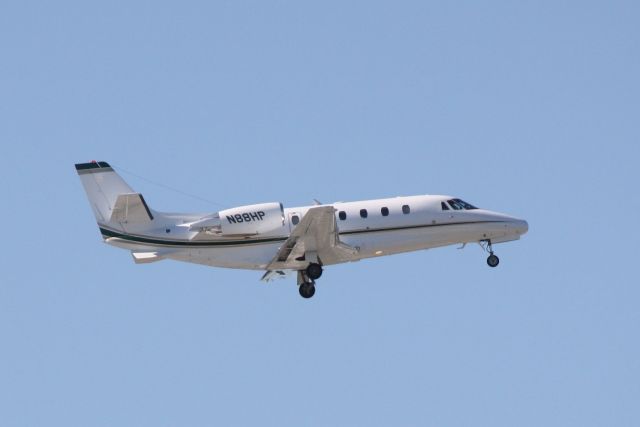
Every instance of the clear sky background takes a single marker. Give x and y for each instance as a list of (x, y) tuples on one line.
[(532, 109)]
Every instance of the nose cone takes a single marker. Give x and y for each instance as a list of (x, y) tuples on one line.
[(520, 226), (512, 225)]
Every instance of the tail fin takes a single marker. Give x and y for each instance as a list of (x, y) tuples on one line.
[(113, 202)]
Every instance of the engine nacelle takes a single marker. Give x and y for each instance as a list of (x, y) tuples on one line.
[(263, 218)]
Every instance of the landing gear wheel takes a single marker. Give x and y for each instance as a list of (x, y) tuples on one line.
[(307, 290), (493, 261), (314, 271)]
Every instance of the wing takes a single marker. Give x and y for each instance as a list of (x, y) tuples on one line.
[(315, 239), (273, 274)]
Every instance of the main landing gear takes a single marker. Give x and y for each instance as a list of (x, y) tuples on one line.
[(492, 260), (314, 271), (307, 289), (307, 278)]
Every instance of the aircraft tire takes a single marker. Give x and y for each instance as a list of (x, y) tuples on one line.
[(314, 271), (493, 261), (307, 290)]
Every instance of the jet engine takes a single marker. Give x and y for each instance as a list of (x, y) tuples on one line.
[(250, 220)]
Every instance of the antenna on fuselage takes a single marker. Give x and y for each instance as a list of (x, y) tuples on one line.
[(166, 187)]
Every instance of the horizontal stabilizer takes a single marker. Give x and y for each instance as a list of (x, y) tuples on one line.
[(130, 208)]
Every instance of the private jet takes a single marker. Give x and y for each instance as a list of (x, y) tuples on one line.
[(278, 240)]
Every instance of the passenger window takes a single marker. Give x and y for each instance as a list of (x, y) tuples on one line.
[(342, 215), (295, 219), (444, 206), (406, 209), (384, 211), (363, 213)]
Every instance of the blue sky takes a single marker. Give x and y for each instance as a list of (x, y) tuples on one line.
[(529, 108)]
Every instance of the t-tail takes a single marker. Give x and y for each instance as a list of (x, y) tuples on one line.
[(114, 203)]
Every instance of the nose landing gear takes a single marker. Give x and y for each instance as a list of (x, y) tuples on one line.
[(492, 260)]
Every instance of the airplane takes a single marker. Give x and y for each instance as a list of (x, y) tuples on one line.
[(278, 240)]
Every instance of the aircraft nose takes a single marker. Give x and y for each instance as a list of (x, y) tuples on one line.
[(520, 226)]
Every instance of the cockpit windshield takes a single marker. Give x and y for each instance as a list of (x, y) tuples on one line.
[(458, 205)]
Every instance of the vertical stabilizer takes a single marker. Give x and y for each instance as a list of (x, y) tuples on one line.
[(113, 201)]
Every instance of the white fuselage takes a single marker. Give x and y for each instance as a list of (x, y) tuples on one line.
[(423, 225)]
